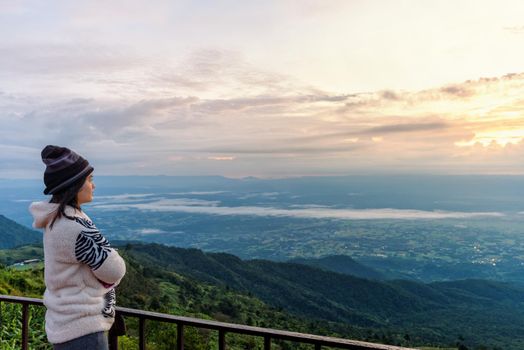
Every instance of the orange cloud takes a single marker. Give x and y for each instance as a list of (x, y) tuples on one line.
[(227, 158)]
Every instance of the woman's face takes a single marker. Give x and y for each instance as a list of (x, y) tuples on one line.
[(85, 195)]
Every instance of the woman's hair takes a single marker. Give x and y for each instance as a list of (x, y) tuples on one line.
[(67, 196)]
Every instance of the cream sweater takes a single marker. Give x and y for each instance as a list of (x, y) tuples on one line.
[(81, 271)]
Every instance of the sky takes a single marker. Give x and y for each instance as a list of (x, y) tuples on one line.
[(264, 88)]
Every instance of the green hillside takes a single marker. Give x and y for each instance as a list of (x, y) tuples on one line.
[(13, 234), (160, 289), (474, 313), (25, 252), (482, 312), (341, 264)]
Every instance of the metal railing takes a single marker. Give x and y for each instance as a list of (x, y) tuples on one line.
[(223, 328)]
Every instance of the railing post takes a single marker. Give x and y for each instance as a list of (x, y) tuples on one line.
[(221, 340), (267, 342), (180, 336), (318, 346), (25, 326), (113, 341), (141, 333)]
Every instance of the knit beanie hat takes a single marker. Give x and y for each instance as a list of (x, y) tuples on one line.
[(63, 168)]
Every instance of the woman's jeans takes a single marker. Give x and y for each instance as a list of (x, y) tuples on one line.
[(93, 341)]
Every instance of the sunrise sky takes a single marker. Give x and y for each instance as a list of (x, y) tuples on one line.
[(264, 88)]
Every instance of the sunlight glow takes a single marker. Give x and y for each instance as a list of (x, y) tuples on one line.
[(499, 137), (221, 158)]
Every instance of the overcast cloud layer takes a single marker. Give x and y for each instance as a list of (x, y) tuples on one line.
[(185, 205), (274, 89)]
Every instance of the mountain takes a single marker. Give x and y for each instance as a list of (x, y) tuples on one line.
[(308, 299), (155, 288), (13, 234), (341, 264), (481, 311)]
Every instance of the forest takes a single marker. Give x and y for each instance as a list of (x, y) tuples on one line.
[(472, 314)]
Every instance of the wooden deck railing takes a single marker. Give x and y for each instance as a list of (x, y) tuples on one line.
[(223, 328)]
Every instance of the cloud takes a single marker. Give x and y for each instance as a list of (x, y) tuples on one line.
[(257, 102), (386, 129), (269, 130), (208, 71), (264, 195), (458, 91), (149, 231), (150, 90), (403, 128), (64, 58), (515, 29), (193, 202), (222, 158), (390, 95), (240, 149), (197, 193), (11, 156), (125, 197), (143, 114), (310, 212)]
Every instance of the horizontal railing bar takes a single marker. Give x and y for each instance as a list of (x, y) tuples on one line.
[(21, 300), (258, 331), (235, 328)]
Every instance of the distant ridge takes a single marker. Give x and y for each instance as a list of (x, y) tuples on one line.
[(435, 312), (13, 234), (342, 264), (487, 314)]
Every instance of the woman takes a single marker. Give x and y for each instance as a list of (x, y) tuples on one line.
[(81, 269)]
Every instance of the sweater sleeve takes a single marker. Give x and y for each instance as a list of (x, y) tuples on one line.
[(92, 249)]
